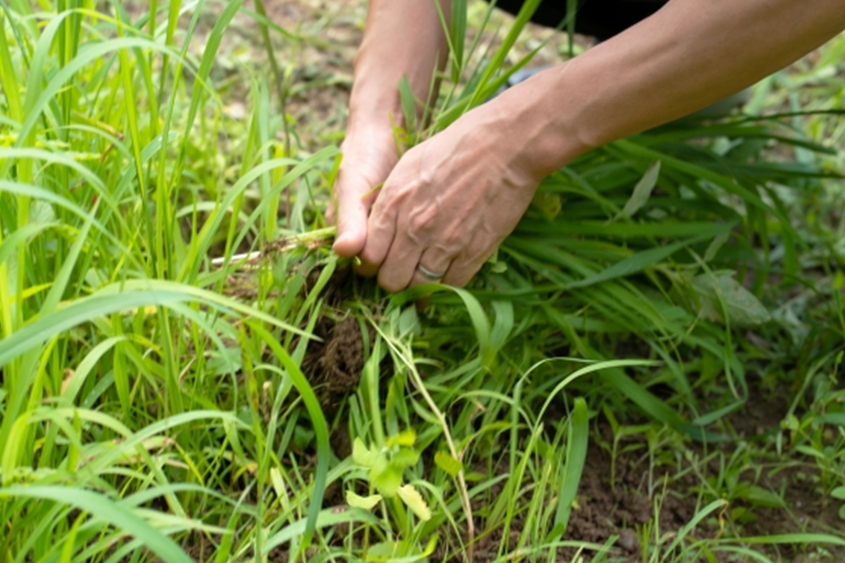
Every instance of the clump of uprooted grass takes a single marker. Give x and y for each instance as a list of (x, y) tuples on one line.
[(158, 306)]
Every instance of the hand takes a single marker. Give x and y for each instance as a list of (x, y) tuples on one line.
[(369, 154), (449, 203)]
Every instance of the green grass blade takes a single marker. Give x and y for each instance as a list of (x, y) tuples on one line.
[(107, 511), (576, 456)]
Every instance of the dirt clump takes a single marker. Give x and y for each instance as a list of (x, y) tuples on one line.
[(334, 366)]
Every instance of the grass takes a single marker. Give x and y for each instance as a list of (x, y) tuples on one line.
[(665, 325)]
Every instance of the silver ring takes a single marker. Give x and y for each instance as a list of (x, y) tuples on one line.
[(428, 274)]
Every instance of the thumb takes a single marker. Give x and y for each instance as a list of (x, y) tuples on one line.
[(351, 218)]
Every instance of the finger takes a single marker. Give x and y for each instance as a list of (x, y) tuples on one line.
[(432, 261), (398, 267), (351, 216), (461, 272), (464, 267), (381, 229)]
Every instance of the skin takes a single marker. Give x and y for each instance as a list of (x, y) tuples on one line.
[(451, 200)]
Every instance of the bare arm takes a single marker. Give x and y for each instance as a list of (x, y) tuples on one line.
[(402, 38), (690, 54)]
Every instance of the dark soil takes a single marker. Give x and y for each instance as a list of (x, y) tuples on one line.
[(626, 508), (334, 366), (603, 511)]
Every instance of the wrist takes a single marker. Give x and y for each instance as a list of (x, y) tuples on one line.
[(543, 131), (370, 132), (369, 148)]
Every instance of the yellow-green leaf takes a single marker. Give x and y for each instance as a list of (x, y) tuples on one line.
[(448, 463), (405, 457), (404, 438), (415, 502), (357, 501), (386, 481), (361, 454)]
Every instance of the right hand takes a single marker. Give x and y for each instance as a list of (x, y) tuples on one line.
[(369, 155)]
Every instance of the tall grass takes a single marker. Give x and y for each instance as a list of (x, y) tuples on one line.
[(126, 371), (149, 405)]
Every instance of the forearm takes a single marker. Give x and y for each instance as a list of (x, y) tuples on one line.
[(402, 38), (690, 54)]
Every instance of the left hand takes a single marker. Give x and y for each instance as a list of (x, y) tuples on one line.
[(448, 204)]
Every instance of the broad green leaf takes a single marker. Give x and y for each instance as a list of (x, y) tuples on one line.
[(357, 501), (409, 322), (387, 480), (42, 212), (361, 454), (838, 493), (835, 418), (447, 463), (413, 500), (121, 297), (476, 313), (383, 552), (743, 307), (409, 110), (458, 37), (318, 421), (406, 457)]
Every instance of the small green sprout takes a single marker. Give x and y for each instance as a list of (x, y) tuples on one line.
[(386, 467)]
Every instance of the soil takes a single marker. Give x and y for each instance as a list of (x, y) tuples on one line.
[(808, 509), (334, 366), (625, 509), (603, 511), (321, 63)]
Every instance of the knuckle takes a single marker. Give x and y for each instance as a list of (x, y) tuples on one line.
[(422, 221), (452, 240)]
